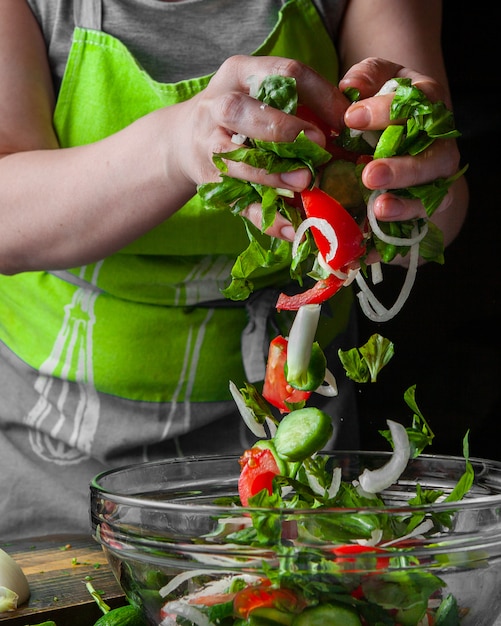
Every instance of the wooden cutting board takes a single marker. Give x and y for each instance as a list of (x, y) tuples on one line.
[(57, 569)]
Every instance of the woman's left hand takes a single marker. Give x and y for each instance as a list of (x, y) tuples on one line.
[(372, 112)]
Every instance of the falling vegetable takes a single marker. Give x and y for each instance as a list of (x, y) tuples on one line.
[(14, 587)]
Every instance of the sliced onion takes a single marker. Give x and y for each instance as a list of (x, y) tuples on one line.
[(335, 482), (372, 307), (416, 237), (376, 536), (183, 609), (375, 481), (272, 427), (348, 277), (324, 227), (238, 138), (246, 413), (315, 486), (376, 273), (178, 580), (390, 86), (352, 274), (329, 388), (371, 137), (286, 193), (421, 529), (301, 338), (327, 268), (253, 83)]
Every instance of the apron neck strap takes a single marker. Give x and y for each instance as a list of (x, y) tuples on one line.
[(88, 14)]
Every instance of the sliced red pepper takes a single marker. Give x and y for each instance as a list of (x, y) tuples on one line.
[(319, 204), (348, 554), (263, 596), (306, 114), (258, 470), (321, 291), (276, 389)]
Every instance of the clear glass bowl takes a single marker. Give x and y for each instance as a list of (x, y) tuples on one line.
[(169, 544)]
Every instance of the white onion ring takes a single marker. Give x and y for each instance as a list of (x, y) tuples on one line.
[(375, 481), (390, 86), (421, 529), (389, 239), (246, 413), (174, 583), (376, 273), (183, 609), (327, 268), (272, 427), (371, 306), (329, 389), (238, 139), (324, 227), (335, 482)]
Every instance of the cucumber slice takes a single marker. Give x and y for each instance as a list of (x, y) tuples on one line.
[(301, 433), (331, 614)]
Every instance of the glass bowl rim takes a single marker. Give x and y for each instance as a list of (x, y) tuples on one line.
[(135, 501)]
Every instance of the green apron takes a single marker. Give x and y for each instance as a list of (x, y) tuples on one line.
[(134, 325)]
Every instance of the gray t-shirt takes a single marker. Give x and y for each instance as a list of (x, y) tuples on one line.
[(173, 41)]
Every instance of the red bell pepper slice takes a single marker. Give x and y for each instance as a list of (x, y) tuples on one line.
[(318, 204), (258, 470), (276, 390), (348, 554), (321, 291), (262, 596), (306, 114)]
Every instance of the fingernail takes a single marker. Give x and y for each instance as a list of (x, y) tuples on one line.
[(298, 179), (378, 175), (357, 116), (288, 233)]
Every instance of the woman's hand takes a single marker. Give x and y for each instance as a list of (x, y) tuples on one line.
[(372, 112), (226, 107)]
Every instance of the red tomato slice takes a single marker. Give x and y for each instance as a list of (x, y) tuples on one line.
[(350, 238), (258, 470), (262, 596), (276, 389), (320, 292)]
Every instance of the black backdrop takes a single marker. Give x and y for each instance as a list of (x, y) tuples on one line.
[(447, 338)]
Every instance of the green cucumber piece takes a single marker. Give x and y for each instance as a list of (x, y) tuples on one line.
[(127, 615), (328, 614), (301, 433)]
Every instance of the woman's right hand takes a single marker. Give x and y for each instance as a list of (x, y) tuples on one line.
[(210, 119)]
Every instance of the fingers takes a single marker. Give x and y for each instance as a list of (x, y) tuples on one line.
[(242, 74), (371, 74), (372, 111), (441, 160), (281, 228), (227, 108)]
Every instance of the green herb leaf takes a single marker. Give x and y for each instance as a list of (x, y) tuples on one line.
[(364, 364)]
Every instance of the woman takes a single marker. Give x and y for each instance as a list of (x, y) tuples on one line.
[(117, 346)]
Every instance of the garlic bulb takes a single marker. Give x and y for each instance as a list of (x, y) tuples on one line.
[(14, 588)]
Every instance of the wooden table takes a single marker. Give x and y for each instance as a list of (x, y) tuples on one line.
[(57, 569)]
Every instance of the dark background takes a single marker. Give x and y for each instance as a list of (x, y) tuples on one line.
[(447, 337)]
